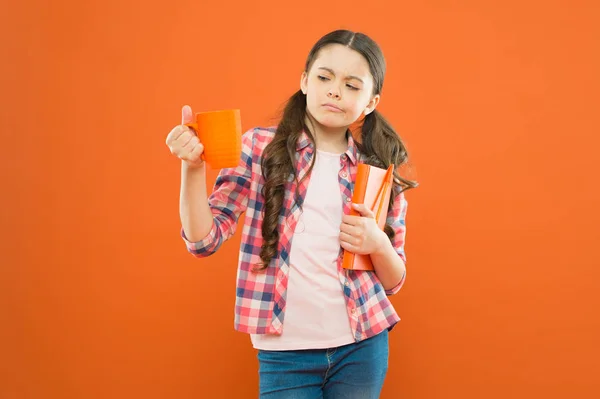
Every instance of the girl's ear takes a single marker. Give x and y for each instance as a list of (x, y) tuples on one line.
[(372, 104), (304, 82)]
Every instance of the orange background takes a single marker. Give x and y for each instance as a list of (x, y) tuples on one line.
[(497, 101)]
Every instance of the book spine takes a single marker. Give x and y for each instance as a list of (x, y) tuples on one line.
[(358, 197), (360, 187)]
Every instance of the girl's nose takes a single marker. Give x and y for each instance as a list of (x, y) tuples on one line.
[(333, 94)]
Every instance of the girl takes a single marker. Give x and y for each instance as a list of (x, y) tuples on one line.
[(320, 330)]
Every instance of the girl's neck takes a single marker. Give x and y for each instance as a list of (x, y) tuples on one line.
[(328, 139)]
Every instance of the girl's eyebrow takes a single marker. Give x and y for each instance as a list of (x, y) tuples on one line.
[(349, 77)]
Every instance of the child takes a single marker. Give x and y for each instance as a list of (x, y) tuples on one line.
[(320, 330)]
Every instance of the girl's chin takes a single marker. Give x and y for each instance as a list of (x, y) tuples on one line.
[(331, 123)]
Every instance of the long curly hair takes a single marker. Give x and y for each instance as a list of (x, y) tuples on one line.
[(379, 143)]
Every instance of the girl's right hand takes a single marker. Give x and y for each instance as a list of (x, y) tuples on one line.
[(183, 141)]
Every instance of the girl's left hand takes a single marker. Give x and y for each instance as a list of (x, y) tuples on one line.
[(360, 234)]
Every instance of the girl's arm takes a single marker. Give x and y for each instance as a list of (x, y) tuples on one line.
[(207, 222), (389, 266), (194, 210), (361, 235), (389, 258)]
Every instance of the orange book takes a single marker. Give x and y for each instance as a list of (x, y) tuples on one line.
[(373, 187)]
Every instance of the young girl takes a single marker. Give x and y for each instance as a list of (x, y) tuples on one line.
[(320, 330)]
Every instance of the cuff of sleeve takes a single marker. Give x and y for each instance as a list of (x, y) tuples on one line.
[(203, 247), (397, 287)]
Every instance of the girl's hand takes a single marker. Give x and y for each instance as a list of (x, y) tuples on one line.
[(360, 234), (183, 142)]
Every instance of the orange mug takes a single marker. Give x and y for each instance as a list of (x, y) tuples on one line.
[(221, 134)]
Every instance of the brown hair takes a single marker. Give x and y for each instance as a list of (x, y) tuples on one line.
[(379, 145)]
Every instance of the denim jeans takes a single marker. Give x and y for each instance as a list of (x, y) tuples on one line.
[(354, 371)]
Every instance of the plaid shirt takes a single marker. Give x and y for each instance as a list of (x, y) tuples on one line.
[(261, 296)]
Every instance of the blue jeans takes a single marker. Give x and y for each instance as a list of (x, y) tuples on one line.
[(354, 371)]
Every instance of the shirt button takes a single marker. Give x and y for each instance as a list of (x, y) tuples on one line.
[(348, 199), (347, 284), (344, 157), (353, 311), (344, 174)]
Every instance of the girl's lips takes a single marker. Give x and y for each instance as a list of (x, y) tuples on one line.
[(332, 107)]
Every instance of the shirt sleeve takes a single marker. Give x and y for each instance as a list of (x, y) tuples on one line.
[(397, 221), (227, 202)]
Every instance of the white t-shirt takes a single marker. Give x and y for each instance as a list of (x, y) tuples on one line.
[(316, 315)]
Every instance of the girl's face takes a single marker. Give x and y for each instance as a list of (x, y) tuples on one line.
[(338, 87)]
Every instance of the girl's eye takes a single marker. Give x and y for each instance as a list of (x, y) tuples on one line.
[(321, 77), (352, 87)]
